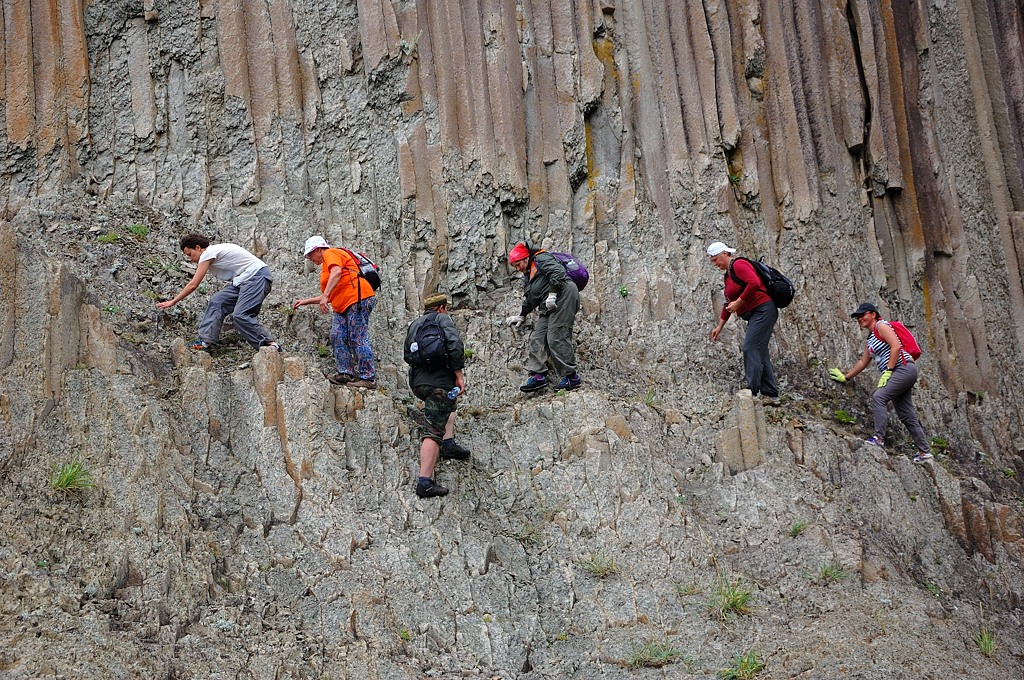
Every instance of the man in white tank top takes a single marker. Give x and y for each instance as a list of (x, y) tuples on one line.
[(242, 298)]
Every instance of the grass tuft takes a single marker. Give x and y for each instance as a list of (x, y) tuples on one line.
[(986, 641), (797, 528), (845, 418), (730, 597), (108, 238), (599, 565), (71, 477), (139, 230), (653, 655), (830, 572), (744, 667)]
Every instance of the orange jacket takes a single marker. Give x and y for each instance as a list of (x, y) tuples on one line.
[(351, 287)]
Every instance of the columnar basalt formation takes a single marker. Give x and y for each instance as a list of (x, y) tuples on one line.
[(250, 519)]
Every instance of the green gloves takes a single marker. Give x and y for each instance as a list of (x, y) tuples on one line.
[(836, 375), (885, 378)]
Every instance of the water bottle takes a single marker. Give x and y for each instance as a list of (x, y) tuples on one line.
[(454, 392)]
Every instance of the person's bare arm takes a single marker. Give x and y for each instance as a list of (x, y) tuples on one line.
[(189, 288)]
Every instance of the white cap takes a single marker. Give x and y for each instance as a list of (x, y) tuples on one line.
[(312, 243), (717, 248)]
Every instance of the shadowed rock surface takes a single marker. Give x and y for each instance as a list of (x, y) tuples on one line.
[(249, 520)]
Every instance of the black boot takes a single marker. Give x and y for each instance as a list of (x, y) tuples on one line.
[(452, 450)]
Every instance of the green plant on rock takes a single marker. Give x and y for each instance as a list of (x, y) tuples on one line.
[(404, 635), (1009, 473), (599, 565), (649, 398), (797, 528), (653, 655), (933, 589), (467, 353), (730, 597), (71, 477), (687, 589), (744, 667), (623, 291), (985, 640), (845, 418), (110, 309), (830, 572), (108, 238), (323, 350), (139, 230), (938, 444)]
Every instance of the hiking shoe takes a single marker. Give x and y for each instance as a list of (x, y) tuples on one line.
[(340, 378), (537, 381), (271, 343), (875, 441), (923, 457), (369, 384), (198, 346), (570, 382), (770, 401), (452, 450), (430, 490)]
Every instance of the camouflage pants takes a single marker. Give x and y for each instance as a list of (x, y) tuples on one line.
[(436, 409)]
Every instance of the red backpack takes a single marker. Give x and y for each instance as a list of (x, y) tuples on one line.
[(906, 339)]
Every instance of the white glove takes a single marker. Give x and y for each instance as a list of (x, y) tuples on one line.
[(551, 301), (514, 321)]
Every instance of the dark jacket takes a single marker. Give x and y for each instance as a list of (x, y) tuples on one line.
[(544, 275), (438, 376)]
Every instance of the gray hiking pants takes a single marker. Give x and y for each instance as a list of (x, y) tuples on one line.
[(898, 391), (757, 365), (243, 303), (552, 336)]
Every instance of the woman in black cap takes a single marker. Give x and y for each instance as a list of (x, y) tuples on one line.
[(899, 373)]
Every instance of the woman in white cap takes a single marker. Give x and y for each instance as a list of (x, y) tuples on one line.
[(746, 296), (352, 298)]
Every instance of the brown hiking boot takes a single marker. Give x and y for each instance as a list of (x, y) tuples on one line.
[(365, 384)]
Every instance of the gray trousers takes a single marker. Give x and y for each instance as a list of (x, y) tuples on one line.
[(243, 303), (757, 365), (898, 391), (552, 336)]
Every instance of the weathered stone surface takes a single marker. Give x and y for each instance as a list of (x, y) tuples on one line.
[(249, 519)]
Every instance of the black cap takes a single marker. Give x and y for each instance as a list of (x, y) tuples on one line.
[(864, 308)]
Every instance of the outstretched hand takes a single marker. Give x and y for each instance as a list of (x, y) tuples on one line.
[(836, 375)]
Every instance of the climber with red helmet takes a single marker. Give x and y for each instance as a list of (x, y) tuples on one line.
[(549, 290)]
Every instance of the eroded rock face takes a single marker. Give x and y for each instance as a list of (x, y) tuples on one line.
[(248, 519)]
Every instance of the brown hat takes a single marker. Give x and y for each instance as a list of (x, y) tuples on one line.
[(436, 300)]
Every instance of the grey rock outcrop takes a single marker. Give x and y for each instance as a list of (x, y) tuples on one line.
[(248, 520)]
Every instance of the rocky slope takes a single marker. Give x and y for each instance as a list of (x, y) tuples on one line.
[(248, 520)]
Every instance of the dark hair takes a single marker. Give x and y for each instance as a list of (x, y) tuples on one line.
[(194, 241)]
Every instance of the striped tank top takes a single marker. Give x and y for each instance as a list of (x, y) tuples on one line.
[(880, 350)]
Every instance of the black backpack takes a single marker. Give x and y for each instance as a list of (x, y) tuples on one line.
[(428, 345), (780, 289)]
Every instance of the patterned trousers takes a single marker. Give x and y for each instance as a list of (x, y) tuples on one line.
[(350, 338)]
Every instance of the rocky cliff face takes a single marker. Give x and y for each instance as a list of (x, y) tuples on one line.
[(250, 521)]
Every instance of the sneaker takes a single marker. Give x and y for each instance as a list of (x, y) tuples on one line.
[(770, 401), (368, 383), (271, 343), (452, 450), (430, 490), (537, 381), (875, 441), (340, 378), (570, 382), (198, 346), (923, 457)]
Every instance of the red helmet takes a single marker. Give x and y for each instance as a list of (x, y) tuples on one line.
[(520, 252)]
